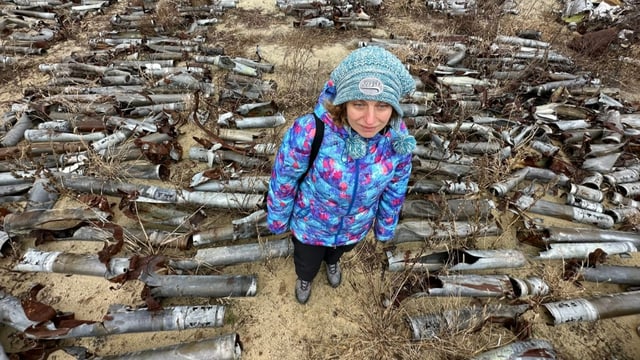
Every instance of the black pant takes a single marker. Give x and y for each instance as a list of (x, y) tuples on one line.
[(308, 258)]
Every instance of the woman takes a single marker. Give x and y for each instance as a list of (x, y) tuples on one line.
[(359, 178)]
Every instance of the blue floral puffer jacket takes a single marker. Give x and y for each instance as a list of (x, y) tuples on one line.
[(341, 198)]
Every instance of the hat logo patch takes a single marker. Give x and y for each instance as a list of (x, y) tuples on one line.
[(370, 86)]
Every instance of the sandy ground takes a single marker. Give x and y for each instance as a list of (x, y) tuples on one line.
[(343, 323)]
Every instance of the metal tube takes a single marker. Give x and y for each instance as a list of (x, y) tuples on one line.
[(532, 349), (616, 274), (426, 186), (547, 175), (623, 214), (34, 260), (38, 135), (429, 326), (431, 152), (454, 260), (247, 184), (453, 209), (613, 129), (503, 187), (14, 189), (50, 219), (16, 133), (220, 199), (554, 234), (631, 189), (593, 180), (627, 175), (260, 122), (514, 40), (17, 177), (427, 231), (473, 285), (4, 240), (217, 286), (223, 347), (585, 204), (123, 320), (444, 168), (235, 254), (565, 212), (592, 309), (248, 227), (42, 195), (576, 250), (148, 171)]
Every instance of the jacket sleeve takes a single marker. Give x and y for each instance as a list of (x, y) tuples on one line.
[(290, 163), (391, 201)]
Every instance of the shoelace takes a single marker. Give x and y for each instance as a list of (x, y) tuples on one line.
[(304, 285), (333, 268)]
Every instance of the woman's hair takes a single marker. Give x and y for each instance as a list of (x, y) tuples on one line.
[(339, 113)]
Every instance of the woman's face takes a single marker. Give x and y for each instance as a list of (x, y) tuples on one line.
[(368, 117)]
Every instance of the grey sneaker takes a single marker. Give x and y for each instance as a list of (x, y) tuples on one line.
[(303, 291), (334, 274)]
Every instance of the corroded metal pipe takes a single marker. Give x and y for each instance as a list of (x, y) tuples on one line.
[(16, 133), (452, 209), (584, 204), (50, 219), (565, 212), (473, 285), (586, 192), (247, 184), (217, 286), (582, 250), (503, 187), (454, 260), (223, 347), (236, 254), (426, 186), (157, 194), (556, 234), (532, 349), (434, 325), (248, 227), (444, 168), (34, 260), (627, 175), (616, 274), (592, 309), (423, 230), (42, 195)]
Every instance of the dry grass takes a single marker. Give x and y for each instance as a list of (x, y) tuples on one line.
[(383, 332), (302, 77)]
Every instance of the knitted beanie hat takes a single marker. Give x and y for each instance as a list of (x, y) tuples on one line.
[(372, 73)]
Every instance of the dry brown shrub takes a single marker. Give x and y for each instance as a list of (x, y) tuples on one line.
[(302, 77), (167, 15)]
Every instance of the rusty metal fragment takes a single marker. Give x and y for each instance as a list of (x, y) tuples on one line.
[(51, 219)]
